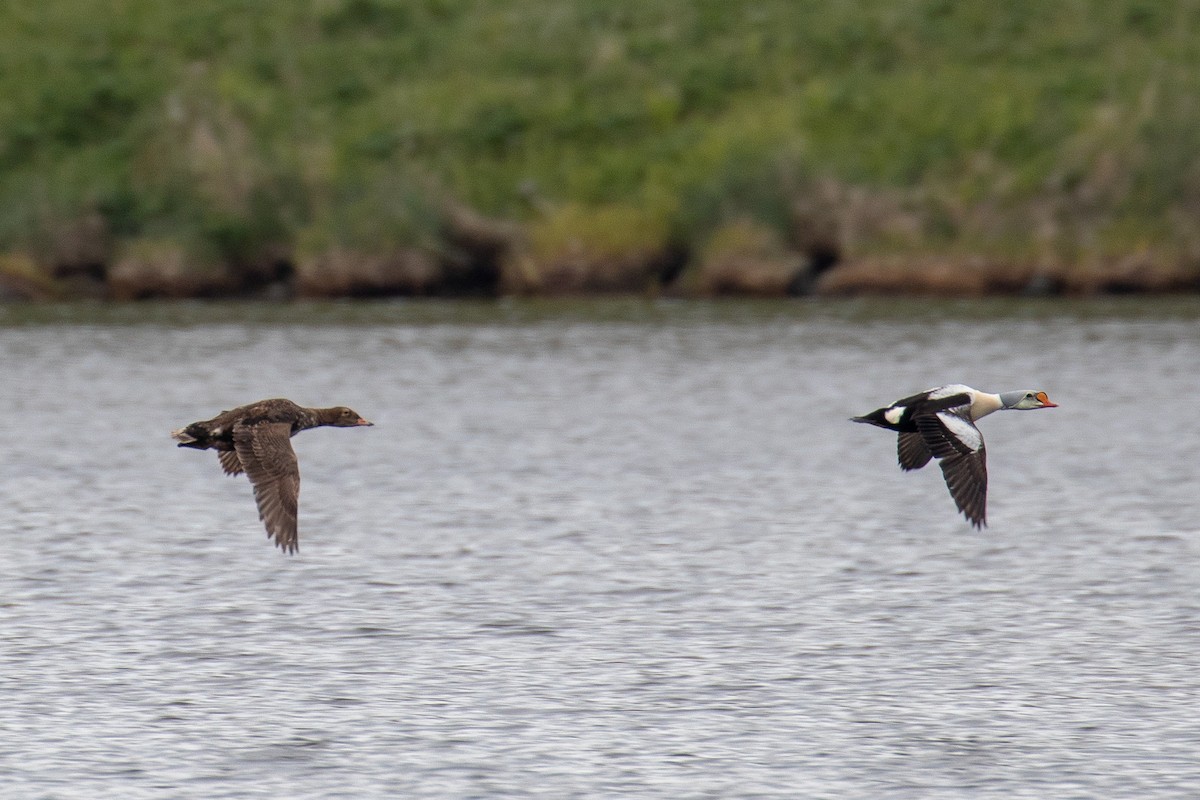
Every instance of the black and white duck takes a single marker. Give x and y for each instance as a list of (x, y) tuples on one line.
[(254, 439), (940, 423)]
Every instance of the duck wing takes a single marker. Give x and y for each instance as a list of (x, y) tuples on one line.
[(912, 451), (230, 462), (958, 445), (266, 454)]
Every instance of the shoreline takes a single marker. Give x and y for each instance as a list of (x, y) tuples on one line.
[(415, 274)]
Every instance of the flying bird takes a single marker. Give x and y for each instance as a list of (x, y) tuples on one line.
[(940, 423), (254, 439)]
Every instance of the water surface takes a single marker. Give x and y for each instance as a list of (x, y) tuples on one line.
[(618, 549)]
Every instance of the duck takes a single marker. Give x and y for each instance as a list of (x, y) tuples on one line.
[(255, 439), (940, 423)]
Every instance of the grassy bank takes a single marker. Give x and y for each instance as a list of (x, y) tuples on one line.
[(371, 146)]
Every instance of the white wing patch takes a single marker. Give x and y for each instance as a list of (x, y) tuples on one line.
[(951, 389), (894, 414), (962, 430)]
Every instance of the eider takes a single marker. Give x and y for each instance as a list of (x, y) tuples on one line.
[(940, 423), (254, 439)]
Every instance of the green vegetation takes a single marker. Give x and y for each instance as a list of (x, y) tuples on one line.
[(247, 137)]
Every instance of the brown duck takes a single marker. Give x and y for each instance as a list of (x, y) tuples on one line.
[(254, 439)]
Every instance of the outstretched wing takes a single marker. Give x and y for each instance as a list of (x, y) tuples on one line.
[(958, 444), (230, 462), (266, 454), (912, 451)]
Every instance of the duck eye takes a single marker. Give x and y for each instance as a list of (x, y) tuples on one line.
[(1029, 396)]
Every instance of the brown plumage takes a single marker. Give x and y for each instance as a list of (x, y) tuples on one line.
[(255, 439)]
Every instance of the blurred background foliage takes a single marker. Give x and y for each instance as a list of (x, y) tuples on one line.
[(252, 135)]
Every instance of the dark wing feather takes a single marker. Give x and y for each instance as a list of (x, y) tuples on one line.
[(912, 451), (966, 478), (230, 462), (963, 462), (941, 441), (265, 451)]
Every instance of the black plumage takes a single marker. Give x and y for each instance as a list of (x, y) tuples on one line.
[(939, 423), (913, 407)]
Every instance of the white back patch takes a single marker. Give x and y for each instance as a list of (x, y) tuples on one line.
[(951, 389), (962, 430)]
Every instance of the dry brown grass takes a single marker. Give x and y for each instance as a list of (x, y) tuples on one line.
[(22, 279), (743, 257), (342, 272), (163, 268), (576, 250)]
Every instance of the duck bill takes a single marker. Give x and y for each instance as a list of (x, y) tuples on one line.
[(1046, 404), (362, 421)]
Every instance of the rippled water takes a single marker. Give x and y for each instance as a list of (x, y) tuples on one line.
[(607, 550)]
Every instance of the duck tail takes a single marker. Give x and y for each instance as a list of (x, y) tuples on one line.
[(875, 418)]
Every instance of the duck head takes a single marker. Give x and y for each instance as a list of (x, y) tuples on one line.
[(1026, 399), (342, 417)]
